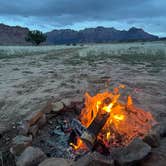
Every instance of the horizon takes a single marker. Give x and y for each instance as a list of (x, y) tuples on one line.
[(46, 16)]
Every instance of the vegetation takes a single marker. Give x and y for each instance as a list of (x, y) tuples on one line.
[(36, 37), (9, 52)]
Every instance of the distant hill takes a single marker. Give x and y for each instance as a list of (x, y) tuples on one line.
[(98, 35), (15, 35), (12, 35)]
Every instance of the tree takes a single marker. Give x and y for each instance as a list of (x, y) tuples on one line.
[(36, 37)]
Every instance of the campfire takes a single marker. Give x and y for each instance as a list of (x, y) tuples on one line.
[(106, 128), (107, 121)]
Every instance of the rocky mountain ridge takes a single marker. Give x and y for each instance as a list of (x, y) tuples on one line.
[(15, 35)]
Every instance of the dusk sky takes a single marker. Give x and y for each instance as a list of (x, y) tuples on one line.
[(47, 15)]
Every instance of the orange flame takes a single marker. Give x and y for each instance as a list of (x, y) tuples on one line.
[(79, 144), (125, 121)]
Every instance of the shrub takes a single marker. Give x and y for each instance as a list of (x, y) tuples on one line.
[(36, 37)]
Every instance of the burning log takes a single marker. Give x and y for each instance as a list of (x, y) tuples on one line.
[(89, 135)]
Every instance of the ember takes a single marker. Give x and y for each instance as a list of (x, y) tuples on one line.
[(110, 121)]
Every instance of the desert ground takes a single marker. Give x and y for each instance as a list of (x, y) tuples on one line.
[(30, 76)]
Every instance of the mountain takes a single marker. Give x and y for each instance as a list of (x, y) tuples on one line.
[(98, 35), (15, 35), (62, 36), (12, 35)]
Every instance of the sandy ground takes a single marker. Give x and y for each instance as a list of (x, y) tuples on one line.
[(26, 82)]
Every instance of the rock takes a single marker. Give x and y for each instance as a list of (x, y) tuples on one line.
[(47, 108), (31, 156), (162, 129), (66, 102), (101, 160), (42, 121), (154, 160), (24, 128), (84, 161), (77, 99), (55, 162), (57, 106), (153, 137), (20, 142), (34, 117), (94, 159), (33, 130), (131, 154), (157, 156)]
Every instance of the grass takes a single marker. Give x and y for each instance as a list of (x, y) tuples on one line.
[(123, 53), (152, 58), (17, 52), (8, 52), (130, 56)]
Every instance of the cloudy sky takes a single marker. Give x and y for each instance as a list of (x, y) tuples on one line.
[(78, 14)]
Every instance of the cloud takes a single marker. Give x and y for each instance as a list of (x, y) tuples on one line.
[(50, 14)]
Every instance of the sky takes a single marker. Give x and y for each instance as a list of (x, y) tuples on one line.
[(47, 15)]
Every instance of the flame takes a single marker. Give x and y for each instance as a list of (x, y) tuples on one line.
[(79, 144), (129, 101), (108, 135), (125, 121), (119, 117), (108, 108)]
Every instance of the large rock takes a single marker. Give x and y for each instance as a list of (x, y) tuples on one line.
[(94, 159), (131, 154), (57, 106), (162, 129), (31, 157), (33, 130), (47, 108), (153, 137), (157, 157), (19, 143), (27, 128), (66, 101), (42, 121), (39, 124), (34, 117), (55, 162)]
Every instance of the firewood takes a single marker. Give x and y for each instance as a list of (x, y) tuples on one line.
[(89, 136)]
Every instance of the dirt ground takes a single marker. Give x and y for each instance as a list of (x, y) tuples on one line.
[(28, 81)]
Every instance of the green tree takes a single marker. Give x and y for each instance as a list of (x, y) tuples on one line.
[(36, 37)]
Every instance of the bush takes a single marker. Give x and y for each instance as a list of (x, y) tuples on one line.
[(36, 37)]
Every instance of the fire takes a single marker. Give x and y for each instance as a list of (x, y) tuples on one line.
[(125, 121), (119, 117), (79, 144)]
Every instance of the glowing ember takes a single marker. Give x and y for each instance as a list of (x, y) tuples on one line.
[(125, 121)]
